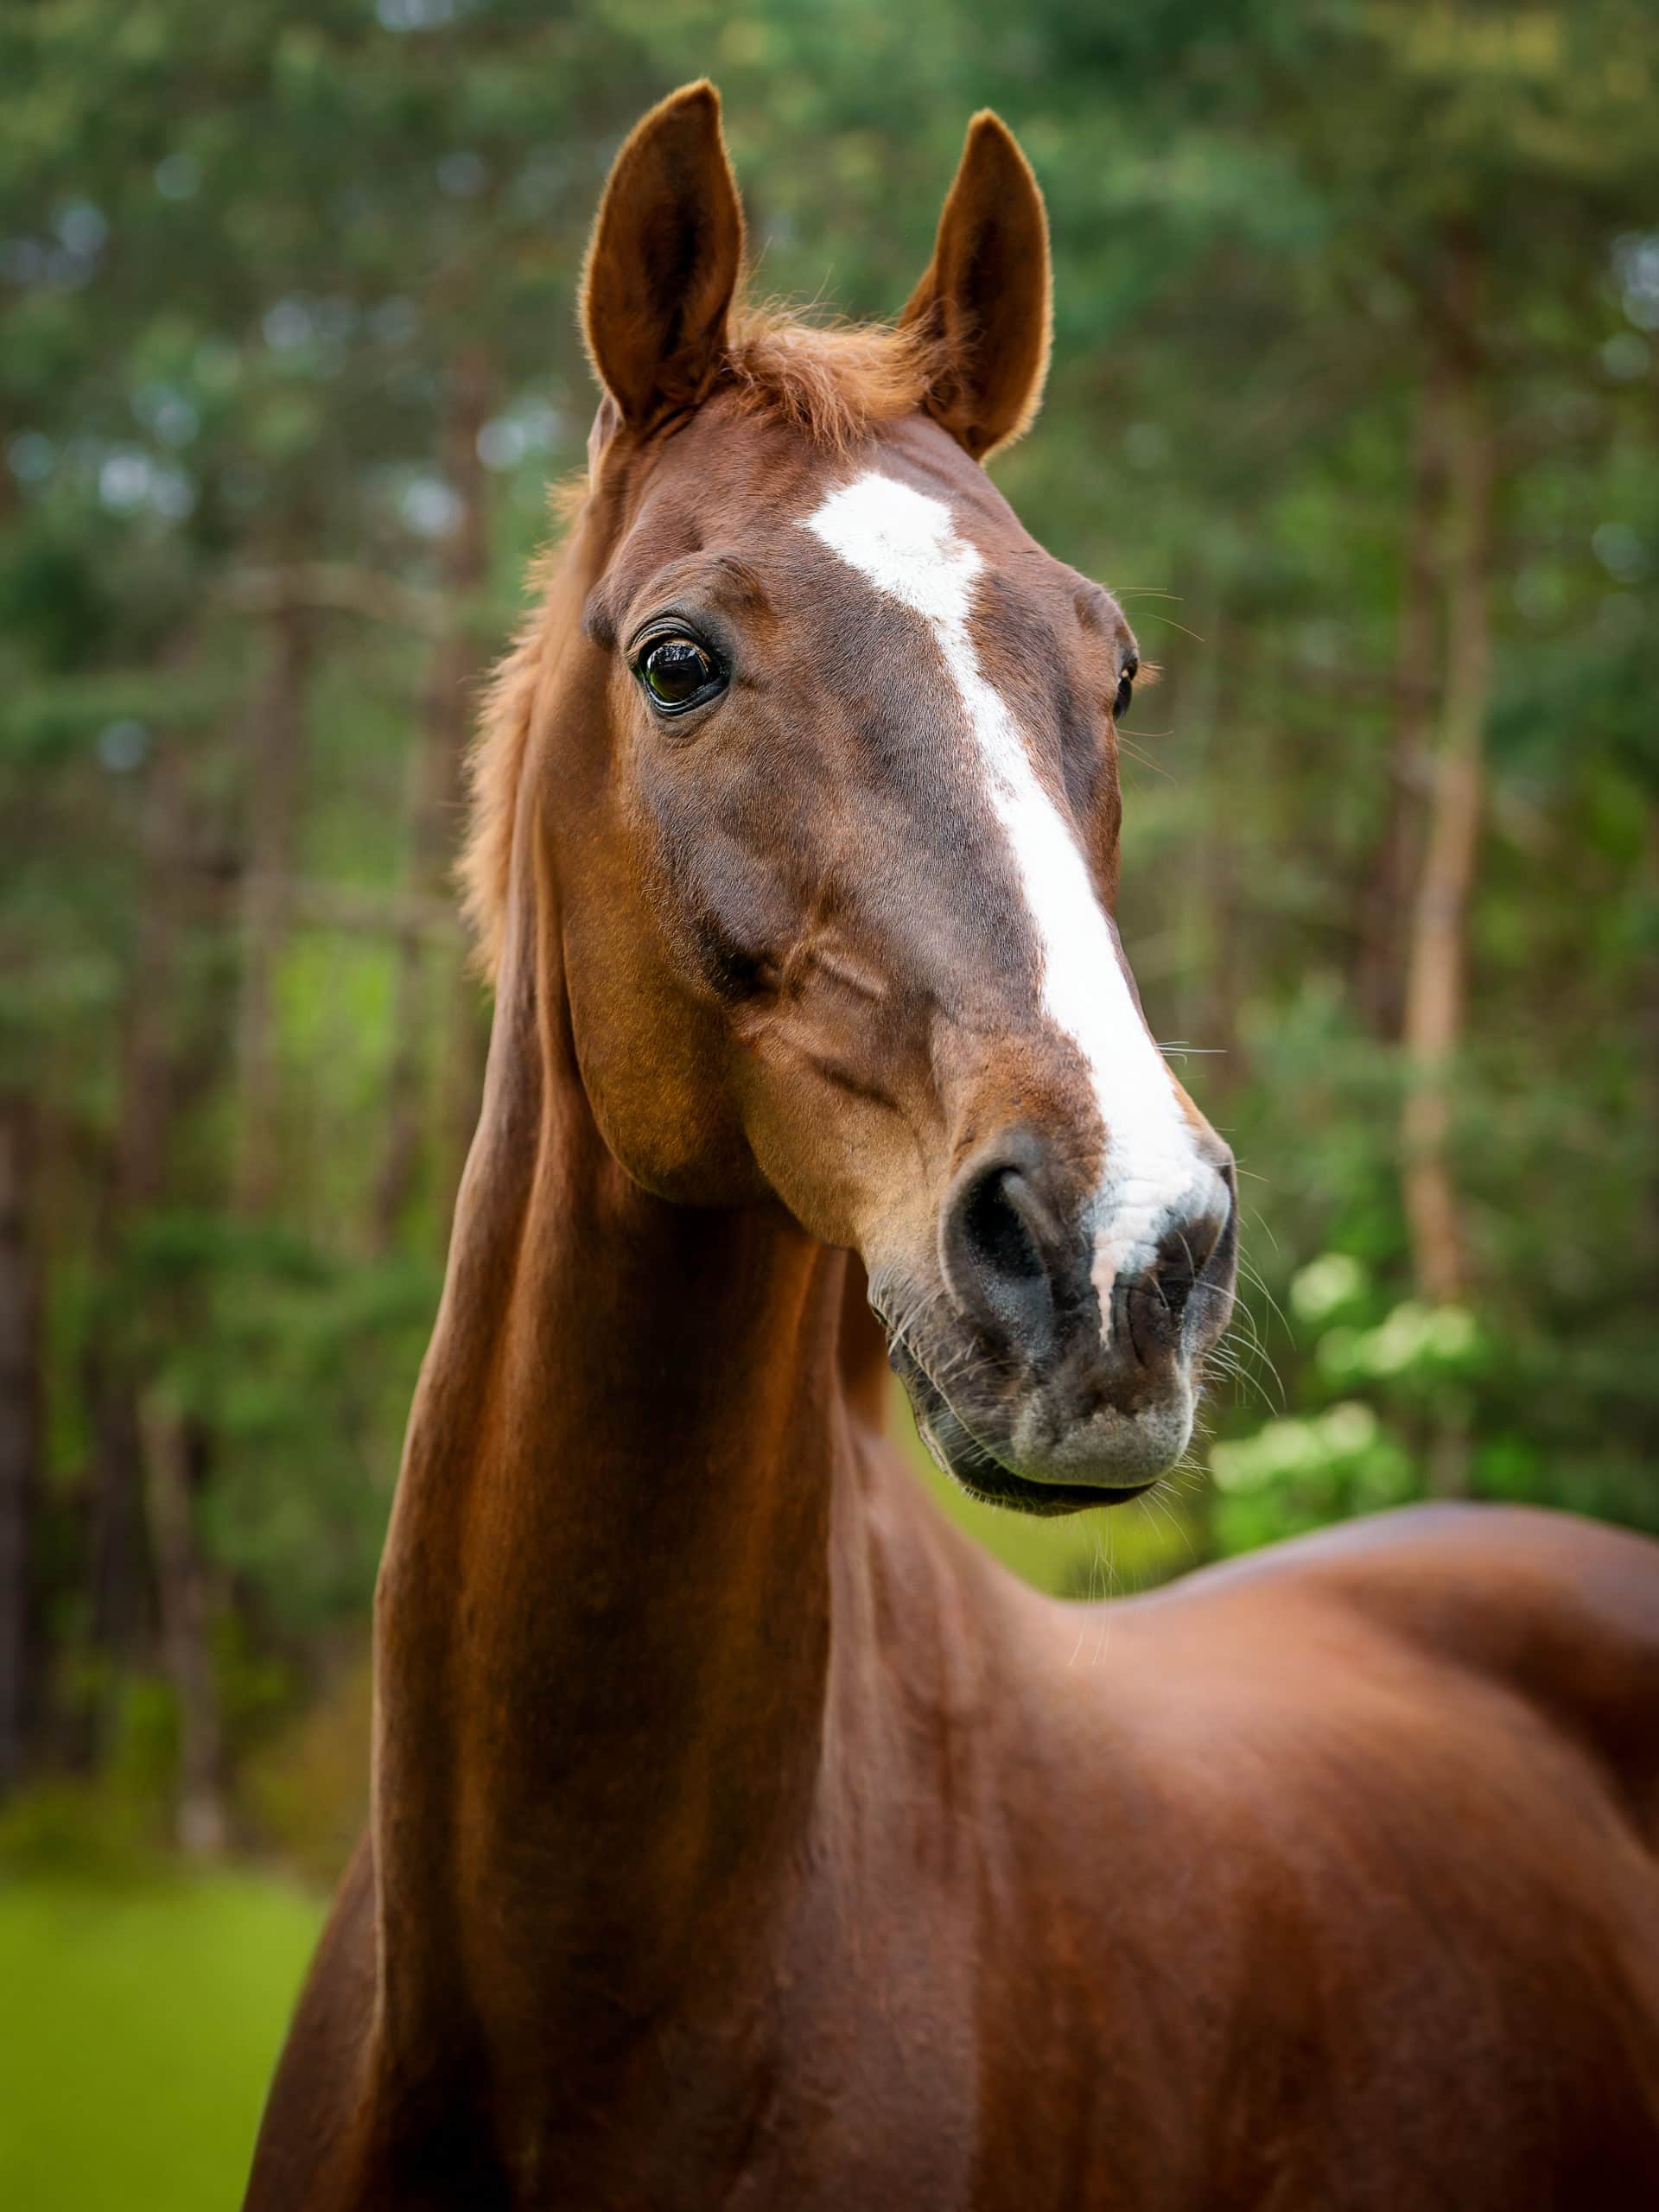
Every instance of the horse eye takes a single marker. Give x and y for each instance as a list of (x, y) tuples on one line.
[(1125, 693), (678, 673)]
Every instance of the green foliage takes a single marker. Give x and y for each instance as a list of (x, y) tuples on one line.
[(1293, 1475), (85, 1828), (300, 1363), (1354, 1455), (303, 1792)]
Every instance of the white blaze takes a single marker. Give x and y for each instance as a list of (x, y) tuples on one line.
[(904, 542)]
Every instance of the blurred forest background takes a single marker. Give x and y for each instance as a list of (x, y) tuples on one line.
[(1355, 404)]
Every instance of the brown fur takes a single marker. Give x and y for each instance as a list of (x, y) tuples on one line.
[(834, 383)]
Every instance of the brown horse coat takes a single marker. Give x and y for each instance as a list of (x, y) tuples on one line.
[(740, 1836)]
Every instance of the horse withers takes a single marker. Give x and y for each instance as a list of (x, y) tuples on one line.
[(741, 1835)]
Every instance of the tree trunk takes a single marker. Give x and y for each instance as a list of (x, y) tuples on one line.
[(20, 1429), (171, 1455), (1388, 890), (145, 1090), (1647, 1229), (438, 788), (1437, 970), (276, 769), (1216, 1067)]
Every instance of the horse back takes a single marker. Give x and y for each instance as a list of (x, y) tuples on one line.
[(1560, 1613), (1382, 1891)]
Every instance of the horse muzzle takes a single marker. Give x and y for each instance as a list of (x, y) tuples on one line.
[(1058, 1361)]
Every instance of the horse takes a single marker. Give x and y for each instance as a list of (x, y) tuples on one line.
[(740, 1834)]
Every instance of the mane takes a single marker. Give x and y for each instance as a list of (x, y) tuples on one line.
[(834, 383), (498, 752)]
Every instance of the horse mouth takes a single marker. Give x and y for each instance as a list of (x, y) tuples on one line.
[(979, 1469)]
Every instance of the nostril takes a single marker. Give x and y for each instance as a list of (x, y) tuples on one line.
[(1181, 1262), (1174, 1279), (995, 1229), (997, 1243), (1191, 1256)]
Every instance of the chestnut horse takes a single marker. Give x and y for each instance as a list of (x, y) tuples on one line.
[(740, 1834)]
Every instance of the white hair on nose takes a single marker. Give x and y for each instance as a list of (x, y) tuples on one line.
[(906, 544)]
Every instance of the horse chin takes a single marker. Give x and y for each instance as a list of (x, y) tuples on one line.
[(986, 1475)]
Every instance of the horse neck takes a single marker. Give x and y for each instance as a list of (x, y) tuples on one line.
[(603, 1620)]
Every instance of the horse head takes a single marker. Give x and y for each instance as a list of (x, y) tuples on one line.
[(813, 785)]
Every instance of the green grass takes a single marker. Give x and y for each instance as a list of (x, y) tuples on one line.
[(137, 2032)]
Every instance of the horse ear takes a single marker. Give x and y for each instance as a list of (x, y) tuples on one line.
[(985, 301), (664, 259)]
